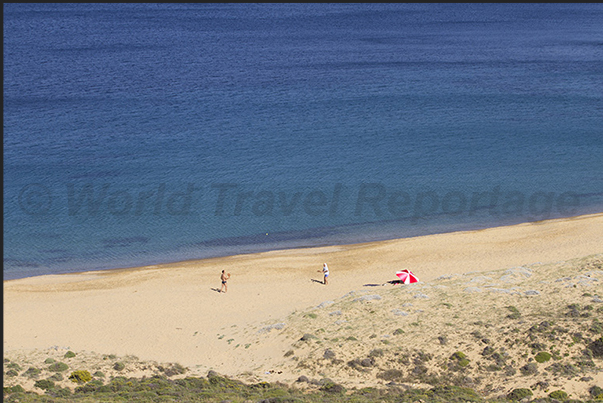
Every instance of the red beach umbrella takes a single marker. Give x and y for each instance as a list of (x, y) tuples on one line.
[(407, 276)]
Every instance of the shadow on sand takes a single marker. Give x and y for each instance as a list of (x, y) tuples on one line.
[(393, 282)]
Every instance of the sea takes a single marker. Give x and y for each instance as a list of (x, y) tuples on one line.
[(140, 134)]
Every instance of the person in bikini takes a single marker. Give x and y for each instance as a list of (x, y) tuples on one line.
[(224, 277)]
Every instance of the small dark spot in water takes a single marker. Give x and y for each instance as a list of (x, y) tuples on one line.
[(263, 238)]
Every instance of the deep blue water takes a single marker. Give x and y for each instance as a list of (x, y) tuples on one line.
[(145, 133)]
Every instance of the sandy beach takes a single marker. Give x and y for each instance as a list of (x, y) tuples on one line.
[(174, 312)]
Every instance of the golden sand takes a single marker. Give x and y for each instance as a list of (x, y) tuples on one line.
[(174, 312)]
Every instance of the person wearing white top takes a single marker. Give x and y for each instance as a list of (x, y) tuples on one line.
[(325, 270)]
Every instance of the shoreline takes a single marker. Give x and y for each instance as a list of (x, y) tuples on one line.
[(286, 248), (174, 312)]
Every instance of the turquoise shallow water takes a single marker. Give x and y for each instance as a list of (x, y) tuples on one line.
[(140, 134)]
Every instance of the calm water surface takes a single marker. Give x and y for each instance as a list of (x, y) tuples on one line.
[(145, 133)]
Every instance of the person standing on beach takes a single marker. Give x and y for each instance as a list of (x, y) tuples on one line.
[(224, 277), (325, 270)]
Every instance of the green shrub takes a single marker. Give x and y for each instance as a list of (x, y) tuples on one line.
[(367, 362), (308, 337), (509, 370), (558, 394), (458, 356), (58, 367), (563, 369), (173, 369), (16, 389), (331, 387), (55, 377), (391, 375), (98, 374), (14, 365), (515, 314), (596, 347), (44, 384), (451, 394), (519, 394), (537, 347), (32, 372), (377, 352), (542, 356), (529, 369), (119, 366), (49, 361), (177, 369), (11, 372), (596, 327), (90, 387), (461, 358), (498, 358), (80, 376), (69, 354), (59, 392), (596, 391), (398, 331), (329, 354), (463, 362)]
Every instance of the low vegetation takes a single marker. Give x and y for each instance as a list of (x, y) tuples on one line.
[(216, 388)]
